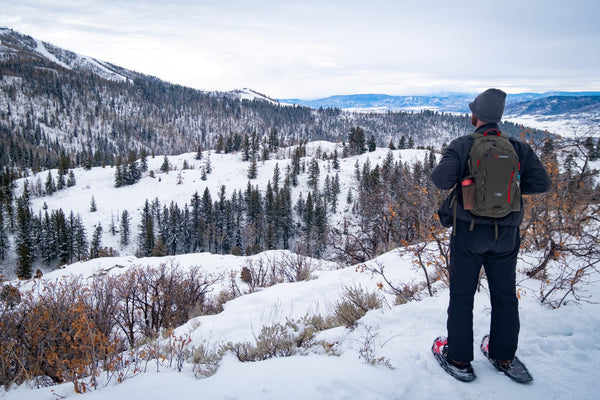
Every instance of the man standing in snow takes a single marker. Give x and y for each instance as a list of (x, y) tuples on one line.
[(488, 241)]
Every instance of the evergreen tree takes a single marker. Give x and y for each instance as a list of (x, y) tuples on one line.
[(246, 148), (356, 141), (336, 162), (146, 231), (319, 227), (143, 160), (4, 242), (313, 175), (273, 140), (165, 165), (24, 240), (199, 153), (196, 235), (62, 236), (50, 185), (133, 171), (372, 144), (79, 239), (71, 180), (93, 207), (220, 145), (253, 169), (276, 178), (208, 164), (402, 143), (96, 243), (119, 178)]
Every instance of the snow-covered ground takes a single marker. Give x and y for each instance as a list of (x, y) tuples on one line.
[(178, 185), (564, 126), (561, 347)]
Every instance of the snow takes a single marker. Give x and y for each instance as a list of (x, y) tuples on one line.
[(79, 61), (249, 94), (560, 347), (565, 126), (41, 49), (228, 170)]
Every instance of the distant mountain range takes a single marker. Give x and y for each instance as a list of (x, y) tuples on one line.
[(516, 104), (54, 101), (571, 113)]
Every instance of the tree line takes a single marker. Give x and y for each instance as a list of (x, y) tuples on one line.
[(50, 110)]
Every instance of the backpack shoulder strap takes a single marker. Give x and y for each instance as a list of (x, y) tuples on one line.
[(489, 132)]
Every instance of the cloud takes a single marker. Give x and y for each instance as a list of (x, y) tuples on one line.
[(313, 48)]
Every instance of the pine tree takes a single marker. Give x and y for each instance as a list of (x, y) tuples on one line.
[(119, 178), (143, 160), (80, 243), (402, 143), (124, 228), (96, 243), (208, 164), (199, 153), (165, 165), (4, 242), (93, 207), (372, 144), (24, 240), (146, 230), (273, 140), (62, 236), (252, 169), (50, 185), (336, 162), (246, 148), (356, 140), (133, 170), (313, 175), (71, 181), (276, 178)]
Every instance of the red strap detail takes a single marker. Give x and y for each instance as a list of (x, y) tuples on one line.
[(512, 175), (491, 130)]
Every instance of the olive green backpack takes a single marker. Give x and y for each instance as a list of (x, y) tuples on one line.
[(494, 167)]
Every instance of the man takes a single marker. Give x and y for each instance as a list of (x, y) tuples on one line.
[(488, 241)]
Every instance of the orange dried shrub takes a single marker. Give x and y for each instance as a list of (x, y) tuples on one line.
[(52, 335)]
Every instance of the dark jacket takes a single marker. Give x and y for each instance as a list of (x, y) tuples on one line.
[(453, 168)]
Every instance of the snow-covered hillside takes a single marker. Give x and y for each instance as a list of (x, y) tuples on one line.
[(178, 185), (386, 356), (561, 347)]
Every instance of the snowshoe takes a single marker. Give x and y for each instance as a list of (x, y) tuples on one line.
[(440, 352), (516, 370)]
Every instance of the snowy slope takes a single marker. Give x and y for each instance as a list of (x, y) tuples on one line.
[(561, 347), (12, 42), (228, 170)]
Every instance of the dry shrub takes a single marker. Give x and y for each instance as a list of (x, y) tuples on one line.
[(354, 305), (52, 334), (264, 273), (281, 339)]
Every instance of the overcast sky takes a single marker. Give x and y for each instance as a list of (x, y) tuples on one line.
[(309, 49)]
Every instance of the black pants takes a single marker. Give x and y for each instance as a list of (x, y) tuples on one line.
[(469, 250)]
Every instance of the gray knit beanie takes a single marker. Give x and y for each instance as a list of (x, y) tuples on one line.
[(489, 105)]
